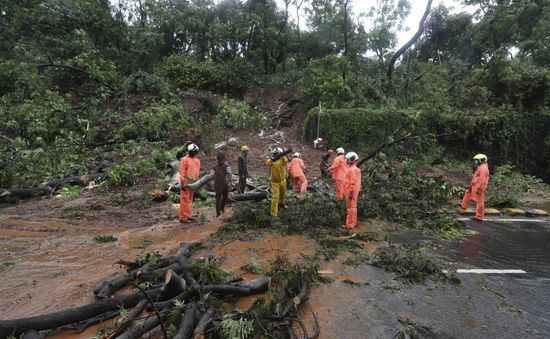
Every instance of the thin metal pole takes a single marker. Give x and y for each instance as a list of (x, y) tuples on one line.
[(319, 120)]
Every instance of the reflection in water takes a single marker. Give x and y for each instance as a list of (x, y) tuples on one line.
[(506, 245)]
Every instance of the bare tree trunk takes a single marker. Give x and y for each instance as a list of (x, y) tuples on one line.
[(409, 43)]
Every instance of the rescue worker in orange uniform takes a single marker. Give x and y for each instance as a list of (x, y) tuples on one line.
[(353, 186), (296, 169), (277, 163), (190, 168), (477, 189), (339, 168)]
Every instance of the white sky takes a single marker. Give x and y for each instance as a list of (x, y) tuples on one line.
[(411, 22)]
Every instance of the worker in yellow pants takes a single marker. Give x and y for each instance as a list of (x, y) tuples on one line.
[(277, 177)]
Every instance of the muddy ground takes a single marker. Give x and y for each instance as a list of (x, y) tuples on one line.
[(49, 261)]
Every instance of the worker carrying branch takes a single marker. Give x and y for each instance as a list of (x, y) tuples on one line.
[(325, 164), (190, 168), (296, 169), (277, 164), (338, 169), (476, 191)]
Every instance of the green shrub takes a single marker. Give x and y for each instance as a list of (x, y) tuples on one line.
[(233, 76), (362, 129), (185, 72), (237, 115), (143, 82), (156, 122)]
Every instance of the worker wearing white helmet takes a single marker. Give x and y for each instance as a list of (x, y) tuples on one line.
[(296, 169), (190, 167), (480, 181), (353, 187), (338, 168)]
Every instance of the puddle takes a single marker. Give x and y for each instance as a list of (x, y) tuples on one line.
[(499, 245)]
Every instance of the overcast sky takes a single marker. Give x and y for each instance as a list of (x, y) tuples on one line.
[(417, 9)]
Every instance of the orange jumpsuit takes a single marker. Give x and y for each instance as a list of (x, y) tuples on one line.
[(339, 168), (189, 169), (480, 180), (296, 170), (353, 186)]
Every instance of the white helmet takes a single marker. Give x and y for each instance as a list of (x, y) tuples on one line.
[(352, 157), (192, 147), (340, 150), (297, 155), (277, 150)]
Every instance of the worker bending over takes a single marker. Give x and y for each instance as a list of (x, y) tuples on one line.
[(190, 168), (476, 191), (352, 188), (277, 164), (339, 168), (296, 169), (325, 164)]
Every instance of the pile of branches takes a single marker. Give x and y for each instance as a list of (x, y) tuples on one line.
[(178, 297)]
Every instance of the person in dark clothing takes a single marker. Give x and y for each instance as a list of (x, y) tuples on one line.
[(325, 163), (243, 169), (222, 178)]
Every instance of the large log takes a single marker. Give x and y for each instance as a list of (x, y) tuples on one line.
[(75, 314), (145, 327), (205, 319), (24, 193), (259, 285), (194, 186), (76, 180), (134, 313), (188, 321)]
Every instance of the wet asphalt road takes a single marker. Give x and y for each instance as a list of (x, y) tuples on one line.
[(481, 306)]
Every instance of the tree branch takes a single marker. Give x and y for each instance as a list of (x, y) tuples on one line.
[(410, 42)]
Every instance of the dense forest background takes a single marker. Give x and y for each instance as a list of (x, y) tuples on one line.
[(79, 76)]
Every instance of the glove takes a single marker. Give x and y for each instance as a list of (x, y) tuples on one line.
[(478, 191)]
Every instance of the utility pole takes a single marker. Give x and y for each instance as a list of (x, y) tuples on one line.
[(319, 119)]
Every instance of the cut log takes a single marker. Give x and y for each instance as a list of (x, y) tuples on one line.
[(7, 194), (171, 302), (205, 319), (297, 300), (74, 315), (188, 321), (134, 313), (253, 287), (76, 180), (173, 283), (145, 327)]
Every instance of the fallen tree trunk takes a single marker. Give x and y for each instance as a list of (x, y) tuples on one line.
[(134, 313), (76, 180), (145, 327), (24, 193), (205, 319), (73, 315), (188, 321), (259, 285)]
